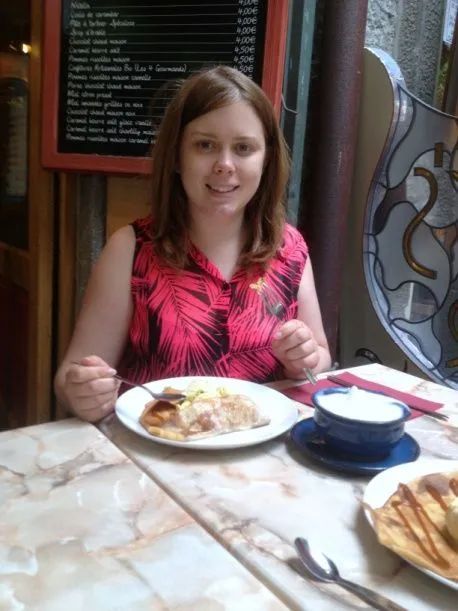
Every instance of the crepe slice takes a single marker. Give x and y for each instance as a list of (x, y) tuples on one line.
[(206, 415), (412, 523)]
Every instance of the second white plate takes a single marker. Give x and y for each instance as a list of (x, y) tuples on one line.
[(272, 404), (383, 485)]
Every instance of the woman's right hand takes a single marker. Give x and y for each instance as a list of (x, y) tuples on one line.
[(90, 388)]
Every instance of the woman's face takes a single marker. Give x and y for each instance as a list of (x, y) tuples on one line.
[(221, 161)]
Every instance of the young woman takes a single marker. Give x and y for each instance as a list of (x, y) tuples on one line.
[(214, 282)]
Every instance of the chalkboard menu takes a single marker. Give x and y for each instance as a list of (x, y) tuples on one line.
[(119, 63)]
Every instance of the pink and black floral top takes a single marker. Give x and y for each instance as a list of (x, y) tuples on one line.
[(192, 322)]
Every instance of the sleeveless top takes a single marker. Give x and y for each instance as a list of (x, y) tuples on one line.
[(193, 322)]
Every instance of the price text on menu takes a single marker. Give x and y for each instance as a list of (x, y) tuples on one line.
[(122, 61)]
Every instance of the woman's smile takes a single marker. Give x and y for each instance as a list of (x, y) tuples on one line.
[(222, 189)]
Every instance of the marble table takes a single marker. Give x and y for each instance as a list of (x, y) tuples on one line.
[(256, 500), (82, 527)]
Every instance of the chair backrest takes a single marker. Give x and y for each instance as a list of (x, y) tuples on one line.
[(410, 230)]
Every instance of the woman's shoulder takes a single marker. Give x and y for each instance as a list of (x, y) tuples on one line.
[(120, 244), (142, 227), (293, 241), (117, 254)]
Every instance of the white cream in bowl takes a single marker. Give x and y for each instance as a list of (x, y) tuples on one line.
[(358, 404)]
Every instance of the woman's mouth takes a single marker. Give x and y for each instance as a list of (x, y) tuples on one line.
[(222, 188)]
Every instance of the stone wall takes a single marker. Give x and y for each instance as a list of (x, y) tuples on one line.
[(411, 32)]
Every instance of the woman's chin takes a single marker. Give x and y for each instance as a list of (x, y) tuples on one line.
[(223, 210)]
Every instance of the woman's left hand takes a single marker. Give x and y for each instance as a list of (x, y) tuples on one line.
[(295, 347)]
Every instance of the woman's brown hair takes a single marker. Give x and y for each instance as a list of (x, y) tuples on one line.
[(201, 93)]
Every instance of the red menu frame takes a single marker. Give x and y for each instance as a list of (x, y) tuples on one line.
[(272, 80)]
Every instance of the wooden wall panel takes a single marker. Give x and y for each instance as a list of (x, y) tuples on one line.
[(127, 200), (41, 243), (65, 306), (14, 308)]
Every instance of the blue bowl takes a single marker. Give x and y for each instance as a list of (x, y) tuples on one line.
[(356, 437)]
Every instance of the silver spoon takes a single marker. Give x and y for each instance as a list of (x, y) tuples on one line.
[(324, 569)]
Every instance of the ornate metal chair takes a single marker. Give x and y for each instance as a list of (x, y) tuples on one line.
[(410, 221)]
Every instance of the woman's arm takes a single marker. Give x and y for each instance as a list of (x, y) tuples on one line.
[(301, 343), (89, 388)]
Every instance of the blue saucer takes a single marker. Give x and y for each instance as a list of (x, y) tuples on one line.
[(307, 440)]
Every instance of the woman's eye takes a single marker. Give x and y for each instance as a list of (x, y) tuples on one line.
[(243, 148), (204, 145)]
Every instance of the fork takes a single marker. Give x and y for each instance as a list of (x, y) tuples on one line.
[(158, 396), (276, 309)]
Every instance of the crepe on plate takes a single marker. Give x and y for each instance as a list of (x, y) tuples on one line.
[(201, 414), (412, 523)]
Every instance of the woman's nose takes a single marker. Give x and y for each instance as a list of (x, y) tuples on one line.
[(224, 164)]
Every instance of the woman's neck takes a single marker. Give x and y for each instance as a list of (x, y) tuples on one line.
[(221, 242)]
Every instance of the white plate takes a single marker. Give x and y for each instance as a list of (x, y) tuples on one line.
[(383, 485), (281, 411)]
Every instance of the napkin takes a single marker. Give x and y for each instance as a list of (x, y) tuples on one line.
[(304, 393)]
